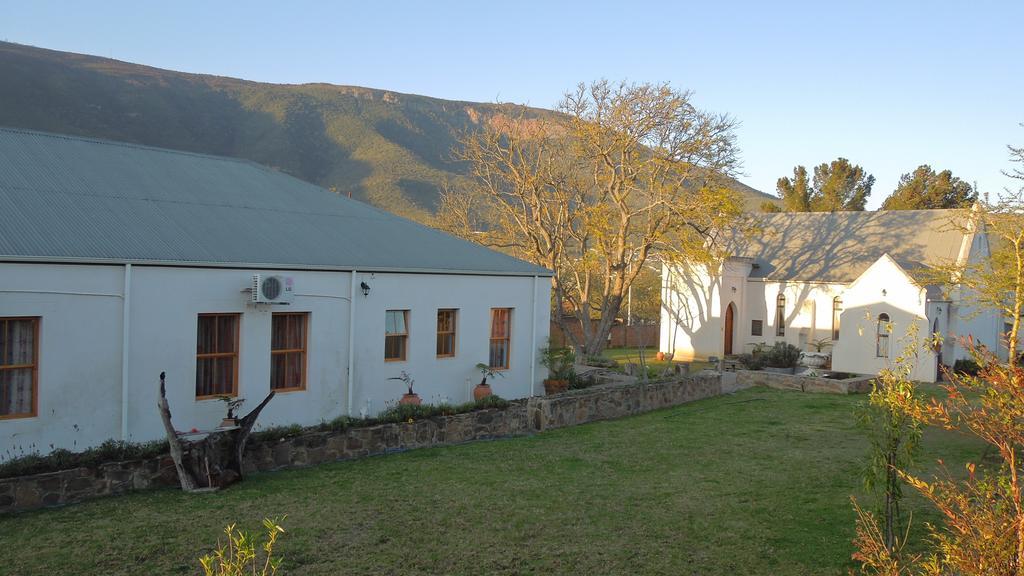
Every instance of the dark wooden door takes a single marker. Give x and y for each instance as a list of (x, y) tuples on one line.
[(728, 329)]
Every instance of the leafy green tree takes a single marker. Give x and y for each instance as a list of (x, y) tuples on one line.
[(797, 193), (924, 189), (835, 186)]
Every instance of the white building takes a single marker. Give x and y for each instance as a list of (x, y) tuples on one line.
[(118, 262), (854, 282)]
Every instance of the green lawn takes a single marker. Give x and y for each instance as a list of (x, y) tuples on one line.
[(624, 355), (754, 483)]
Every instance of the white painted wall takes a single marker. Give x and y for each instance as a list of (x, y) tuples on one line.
[(808, 313), (694, 301), (884, 288), (969, 319), (80, 390), (447, 379), (691, 312), (79, 354)]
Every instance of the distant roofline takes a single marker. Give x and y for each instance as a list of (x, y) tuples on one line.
[(856, 212)]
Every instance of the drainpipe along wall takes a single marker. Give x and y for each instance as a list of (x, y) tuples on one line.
[(126, 308), (351, 343)]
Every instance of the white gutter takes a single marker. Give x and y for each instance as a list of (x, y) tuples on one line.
[(62, 293), (126, 306), (351, 342), (263, 265), (533, 337)]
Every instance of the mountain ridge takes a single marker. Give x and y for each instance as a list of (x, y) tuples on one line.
[(389, 148)]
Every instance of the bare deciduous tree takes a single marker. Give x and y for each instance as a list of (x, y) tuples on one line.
[(627, 173)]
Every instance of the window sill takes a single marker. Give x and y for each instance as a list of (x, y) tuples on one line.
[(216, 397), (287, 390), (18, 416), (394, 359)]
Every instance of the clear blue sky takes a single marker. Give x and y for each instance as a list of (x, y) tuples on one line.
[(889, 85)]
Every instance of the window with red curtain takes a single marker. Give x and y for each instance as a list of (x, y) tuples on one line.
[(288, 334), (19, 367), (501, 337), (217, 355)]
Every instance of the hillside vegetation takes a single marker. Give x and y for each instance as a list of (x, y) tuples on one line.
[(390, 149)]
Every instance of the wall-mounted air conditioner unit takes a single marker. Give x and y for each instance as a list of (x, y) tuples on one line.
[(272, 289)]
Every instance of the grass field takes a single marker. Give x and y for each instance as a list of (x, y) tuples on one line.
[(624, 355), (753, 483)]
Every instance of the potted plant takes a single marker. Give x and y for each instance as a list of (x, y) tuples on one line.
[(560, 363), (233, 404), (483, 389), (409, 397), (818, 359)]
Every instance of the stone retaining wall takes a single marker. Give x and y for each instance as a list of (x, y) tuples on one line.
[(520, 418), (857, 385), (616, 401), (77, 484), (319, 447)]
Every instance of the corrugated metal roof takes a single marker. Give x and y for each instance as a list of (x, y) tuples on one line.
[(839, 246), (78, 199)]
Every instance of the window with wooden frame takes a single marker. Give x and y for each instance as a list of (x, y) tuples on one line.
[(19, 367), (288, 336), (396, 335), (217, 355), (780, 315), (882, 336), (446, 333), (501, 338), (756, 327), (837, 309)]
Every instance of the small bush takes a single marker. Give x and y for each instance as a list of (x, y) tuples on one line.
[(240, 556), (491, 401), (751, 362), (782, 355), (560, 362), (967, 367)]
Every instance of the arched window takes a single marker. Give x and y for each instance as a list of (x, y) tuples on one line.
[(882, 337), (780, 315), (837, 309)]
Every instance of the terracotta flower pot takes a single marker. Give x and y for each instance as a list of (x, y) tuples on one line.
[(660, 356), (555, 386), (228, 422), (413, 399), (481, 391)]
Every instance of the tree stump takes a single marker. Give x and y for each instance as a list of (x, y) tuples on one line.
[(214, 461)]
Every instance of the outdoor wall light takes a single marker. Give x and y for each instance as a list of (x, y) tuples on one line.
[(365, 287), (884, 292), (734, 289)]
